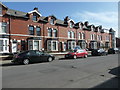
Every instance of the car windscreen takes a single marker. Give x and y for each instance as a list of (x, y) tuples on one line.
[(23, 53), (72, 51)]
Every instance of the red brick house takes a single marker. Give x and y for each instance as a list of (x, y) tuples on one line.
[(21, 31)]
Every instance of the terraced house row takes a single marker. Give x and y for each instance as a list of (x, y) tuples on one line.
[(21, 31)]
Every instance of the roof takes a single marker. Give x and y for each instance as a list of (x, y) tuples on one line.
[(16, 13), (3, 5), (60, 22)]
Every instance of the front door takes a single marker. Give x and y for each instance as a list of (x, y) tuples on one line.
[(14, 47)]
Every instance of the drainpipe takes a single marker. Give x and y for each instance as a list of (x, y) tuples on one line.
[(10, 34)]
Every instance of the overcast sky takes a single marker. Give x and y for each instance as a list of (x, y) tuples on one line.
[(97, 13)]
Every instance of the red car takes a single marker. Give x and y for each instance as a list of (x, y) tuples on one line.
[(77, 53)]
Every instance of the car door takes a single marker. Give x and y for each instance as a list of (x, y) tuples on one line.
[(43, 56), (33, 56), (40, 56), (82, 53), (79, 53)]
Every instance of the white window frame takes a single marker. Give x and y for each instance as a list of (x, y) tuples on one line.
[(80, 27), (71, 45), (79, 35), (54, 33), (69, 34), (5, 46), (64, 46), (1, 25), (33, 47), (72, 34), (49, 33), (51, 45), (52, 21)]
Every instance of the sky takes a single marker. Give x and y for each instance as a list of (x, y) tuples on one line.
[(97, 13)]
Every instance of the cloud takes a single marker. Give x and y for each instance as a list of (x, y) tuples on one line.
[(106, 19)]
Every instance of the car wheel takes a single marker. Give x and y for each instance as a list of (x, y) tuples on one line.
[(74, 56), (50, 59), (26, 61), (85, 56)]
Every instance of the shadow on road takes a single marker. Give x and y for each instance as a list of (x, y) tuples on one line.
[(115, 71), (113, 82), (10, 64)]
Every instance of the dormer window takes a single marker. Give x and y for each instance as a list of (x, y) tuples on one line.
[(92, 28), (52, 21), (34, 17), (80, 27), (71, 25)]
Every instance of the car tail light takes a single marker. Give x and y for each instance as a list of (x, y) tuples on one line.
[(16, 56)]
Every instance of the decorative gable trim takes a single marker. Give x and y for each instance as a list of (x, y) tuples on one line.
[(35, 12)]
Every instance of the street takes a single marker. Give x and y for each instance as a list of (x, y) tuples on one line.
[(91, 72)]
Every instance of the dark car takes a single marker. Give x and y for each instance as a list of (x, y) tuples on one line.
[(32, 56), (99, 52), (113, 51), (77, 53)]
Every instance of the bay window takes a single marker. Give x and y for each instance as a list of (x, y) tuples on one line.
[(34, 44), (71, 45), (52, 45), (4, 45)]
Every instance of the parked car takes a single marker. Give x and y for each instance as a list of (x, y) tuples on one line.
[(98, 52), (113, 51), (77, 53), (32, 56)]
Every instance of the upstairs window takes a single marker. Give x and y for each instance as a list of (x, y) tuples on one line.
[(69, 34), (4, 27), (50, 32), (83, 36), (79, 35), (34, 17), (54, 33), (31, 30), (0, 9), (38, 31), (52, 21), (72, 34), (107, 38)]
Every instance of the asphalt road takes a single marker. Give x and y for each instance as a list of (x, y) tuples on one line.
[(91, 72)]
